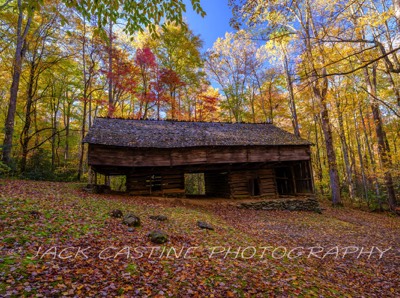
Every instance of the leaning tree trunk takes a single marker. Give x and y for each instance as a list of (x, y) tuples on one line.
[(17, 69)]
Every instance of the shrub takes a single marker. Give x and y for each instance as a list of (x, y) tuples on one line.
[(38, 166), (5, 170), (66, 173)]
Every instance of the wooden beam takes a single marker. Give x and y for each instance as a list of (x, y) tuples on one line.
[(100, 155)]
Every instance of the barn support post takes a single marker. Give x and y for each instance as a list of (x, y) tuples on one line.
[(91, 176), (294, 179), (311, 175)]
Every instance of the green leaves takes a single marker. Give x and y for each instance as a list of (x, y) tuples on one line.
[(137, 14)]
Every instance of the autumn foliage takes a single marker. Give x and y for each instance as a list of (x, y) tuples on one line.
[(61, 241)]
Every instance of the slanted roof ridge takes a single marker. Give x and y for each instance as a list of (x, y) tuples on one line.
[(182, 121), (135, 133)]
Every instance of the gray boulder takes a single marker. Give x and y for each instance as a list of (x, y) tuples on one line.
[(204, 225), (158, 237), (131, 220), (159, 217)]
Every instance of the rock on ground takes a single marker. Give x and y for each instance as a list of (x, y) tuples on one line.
[(131, 220), (159, 217), (116, 213), (158, 237), (204, 225)]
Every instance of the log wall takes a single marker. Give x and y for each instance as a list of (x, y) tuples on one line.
[(168, 184), (267, 182), (234, 184), (240, 183), (100, 155)]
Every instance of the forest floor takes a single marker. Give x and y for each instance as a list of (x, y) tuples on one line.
[(57, 240)]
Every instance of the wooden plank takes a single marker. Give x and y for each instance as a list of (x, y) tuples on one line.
[(173, 190), (226, 155), (188, 157), (263, 154)]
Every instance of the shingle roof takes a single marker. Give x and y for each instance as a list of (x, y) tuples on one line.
[(180, 134)]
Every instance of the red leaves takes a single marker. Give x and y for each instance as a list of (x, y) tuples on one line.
[(145, 58), (170, 78), (123, 73)]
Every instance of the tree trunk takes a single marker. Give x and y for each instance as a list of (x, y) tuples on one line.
[(85, 92), (67, 119), (346, 159), (330, 150), (360, 157), (17, 69), (24, 139), (383, 150), (374, 179), (110, 72), (319, 83), (318, 159), (292, 105)]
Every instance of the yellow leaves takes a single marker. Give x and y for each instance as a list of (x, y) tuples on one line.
[(374, 18)]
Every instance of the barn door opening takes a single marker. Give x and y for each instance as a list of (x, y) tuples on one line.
[(254, 187), (303, 177), (284, 180), (195, 184)]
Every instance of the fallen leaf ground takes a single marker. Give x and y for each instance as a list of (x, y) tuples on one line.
[(102, 258)]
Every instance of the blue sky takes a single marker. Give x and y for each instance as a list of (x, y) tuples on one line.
[(214, 24)]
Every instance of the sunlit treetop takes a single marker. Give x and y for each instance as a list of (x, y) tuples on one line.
[(137, 14)]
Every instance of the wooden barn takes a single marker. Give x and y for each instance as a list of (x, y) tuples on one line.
[(238, 160)]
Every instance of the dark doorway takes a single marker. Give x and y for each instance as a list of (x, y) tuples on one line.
[(303, 177), (217, 184), (254, 187), (284, 180)]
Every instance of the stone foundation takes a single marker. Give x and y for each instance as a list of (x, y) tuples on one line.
[(309, 204)]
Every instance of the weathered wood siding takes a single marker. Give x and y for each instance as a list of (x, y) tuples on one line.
[(137, 184), (239, 183), (173, 183), (267, 182), (234, 184), (127, 157), (143, 183)]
